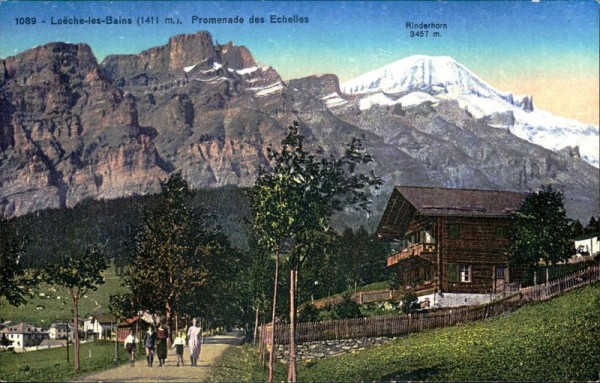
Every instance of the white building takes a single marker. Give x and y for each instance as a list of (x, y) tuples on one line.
[(100, 326), (587, 244), (24, 335), (60, 331)]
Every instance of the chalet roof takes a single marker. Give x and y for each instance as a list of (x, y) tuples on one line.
[(23, 328), (128, 322), (586, 236), (105, 318), (406, 201)]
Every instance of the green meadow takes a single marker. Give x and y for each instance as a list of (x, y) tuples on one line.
[(51, 364), (53, 303), (558, 340)]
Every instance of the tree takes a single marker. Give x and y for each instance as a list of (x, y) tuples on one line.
[(410, 302), (177, 251), (78, 275), (593, 226), (15, 280), (293, 202), (540, 229), (258, 278), (364, 257), (577, 229)]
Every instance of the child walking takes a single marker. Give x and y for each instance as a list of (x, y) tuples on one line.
[(130, 344), (179, 343)]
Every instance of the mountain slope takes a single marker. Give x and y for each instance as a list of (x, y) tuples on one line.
[(73, 129)]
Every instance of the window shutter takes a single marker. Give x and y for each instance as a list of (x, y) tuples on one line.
[(453, 231), (453, 272)]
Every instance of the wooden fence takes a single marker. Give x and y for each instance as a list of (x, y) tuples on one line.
[(393, 325)]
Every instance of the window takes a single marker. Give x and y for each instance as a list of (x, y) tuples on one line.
[(465, 273), (501, 232), (500, 272), (453, 272), (453, 231)]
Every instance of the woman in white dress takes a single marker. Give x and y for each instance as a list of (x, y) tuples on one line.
[(194, 334)]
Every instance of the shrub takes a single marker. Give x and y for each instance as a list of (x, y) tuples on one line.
[(309, 313), (347, 309), (410, 302)]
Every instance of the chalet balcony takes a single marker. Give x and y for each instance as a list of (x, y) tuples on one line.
[(415, 250)]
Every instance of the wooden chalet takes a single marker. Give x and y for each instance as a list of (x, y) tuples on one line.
[(128, 324), (453, 242)]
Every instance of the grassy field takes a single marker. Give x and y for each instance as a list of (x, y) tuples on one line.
[(51, 365), (557, 340), (56, 305)]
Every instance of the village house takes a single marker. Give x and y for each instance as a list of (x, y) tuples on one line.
[(587, 244), (100, 326), (60, 331), (452, 242), (130, 324), (24, 335)]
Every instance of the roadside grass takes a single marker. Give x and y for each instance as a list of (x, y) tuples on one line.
[(556, 340), (56, 304), (242, 364), (51, 365)]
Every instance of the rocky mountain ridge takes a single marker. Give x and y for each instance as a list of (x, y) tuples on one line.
[(73, 129)]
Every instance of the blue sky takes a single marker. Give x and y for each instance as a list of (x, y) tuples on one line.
[(507, 43)]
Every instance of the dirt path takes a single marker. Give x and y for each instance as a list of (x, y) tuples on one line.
[(211, 349)]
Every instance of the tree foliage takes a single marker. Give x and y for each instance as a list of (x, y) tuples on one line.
[(15, 280), (292, 204), (78, 274), (410, 302), (540, 229), (177, 253), (343, 263), (593, 226), (298, 195), (122, 305)]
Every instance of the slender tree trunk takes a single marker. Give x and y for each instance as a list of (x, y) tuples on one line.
[(292, 359), (272, 350), (262, 342), (256, 324), (168, 322), (116, 330), (76, 332)]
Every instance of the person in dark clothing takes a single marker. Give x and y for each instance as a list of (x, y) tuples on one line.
[(162, 335), (150, 345)]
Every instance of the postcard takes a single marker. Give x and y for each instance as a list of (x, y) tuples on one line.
[(384, 150)]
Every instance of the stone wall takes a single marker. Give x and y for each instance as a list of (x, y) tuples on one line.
[(317, 350), (457, 300)]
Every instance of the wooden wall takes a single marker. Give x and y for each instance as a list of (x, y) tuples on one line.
[(479, 244)]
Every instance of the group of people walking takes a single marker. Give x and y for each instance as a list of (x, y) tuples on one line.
[(155, 342)]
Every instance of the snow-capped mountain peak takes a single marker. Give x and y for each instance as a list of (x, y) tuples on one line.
[(411, 80), (430, 74)]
